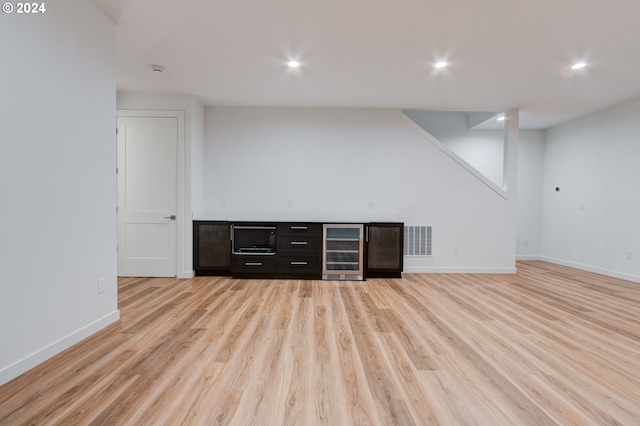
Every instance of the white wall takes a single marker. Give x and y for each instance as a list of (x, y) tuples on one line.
[(197, 155), (529, 210), (190, 162), (483, 149), (297, 162), (58, 191), (592, 222)]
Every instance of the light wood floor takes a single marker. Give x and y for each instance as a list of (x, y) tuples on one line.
[(550, 345)]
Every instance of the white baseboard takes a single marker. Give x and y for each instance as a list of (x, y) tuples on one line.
[(187, 274), (602, 271), (528, 257), (443, 270), (30, 361)]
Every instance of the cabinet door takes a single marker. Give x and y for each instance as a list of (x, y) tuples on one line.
[(384, 250), (211, 248)]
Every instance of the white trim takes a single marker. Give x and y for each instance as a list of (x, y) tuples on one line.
[(460, 270), (528, 257), (187, 274), (442, 147), (596, 270), (43, 354), (180, 172)]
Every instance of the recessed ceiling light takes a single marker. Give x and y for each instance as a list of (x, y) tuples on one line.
[(441, 64), (578, 65), (293, 64)]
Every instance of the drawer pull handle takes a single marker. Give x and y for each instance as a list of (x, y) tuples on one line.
[(299, 243), (252, 263), (299, 263), (300, 228)]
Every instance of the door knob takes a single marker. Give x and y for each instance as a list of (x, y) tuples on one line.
[(172, 217)]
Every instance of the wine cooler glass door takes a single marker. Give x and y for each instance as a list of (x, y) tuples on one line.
[(343, 252)]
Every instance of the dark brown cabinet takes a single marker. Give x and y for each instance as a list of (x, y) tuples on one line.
[(291, 250), (384, 250), (211, 248), (299, 250)]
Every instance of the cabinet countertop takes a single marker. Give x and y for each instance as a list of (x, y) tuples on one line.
[(232, 216)]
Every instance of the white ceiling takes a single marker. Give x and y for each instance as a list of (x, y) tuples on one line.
[(380, 53)]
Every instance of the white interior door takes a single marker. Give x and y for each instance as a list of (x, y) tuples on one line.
[(147, 161)]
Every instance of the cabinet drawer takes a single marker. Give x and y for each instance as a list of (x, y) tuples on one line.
[(299, 264), (254, 263), (298, 243), (310, 229)]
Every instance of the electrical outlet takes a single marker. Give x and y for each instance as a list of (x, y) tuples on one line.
[(455, 250), (289, 204), (370, 205), (526, 242), (629, 255), (100, 287)]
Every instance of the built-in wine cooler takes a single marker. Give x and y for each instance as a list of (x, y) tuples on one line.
[(342, 252)]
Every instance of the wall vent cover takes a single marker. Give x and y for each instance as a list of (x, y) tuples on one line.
[(417, 240)]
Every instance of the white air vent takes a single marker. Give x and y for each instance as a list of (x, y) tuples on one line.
[(417, 240)]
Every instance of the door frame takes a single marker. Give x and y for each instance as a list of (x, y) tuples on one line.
[(180, 175)]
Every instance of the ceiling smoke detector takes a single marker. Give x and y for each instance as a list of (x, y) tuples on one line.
[(157, 68)]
